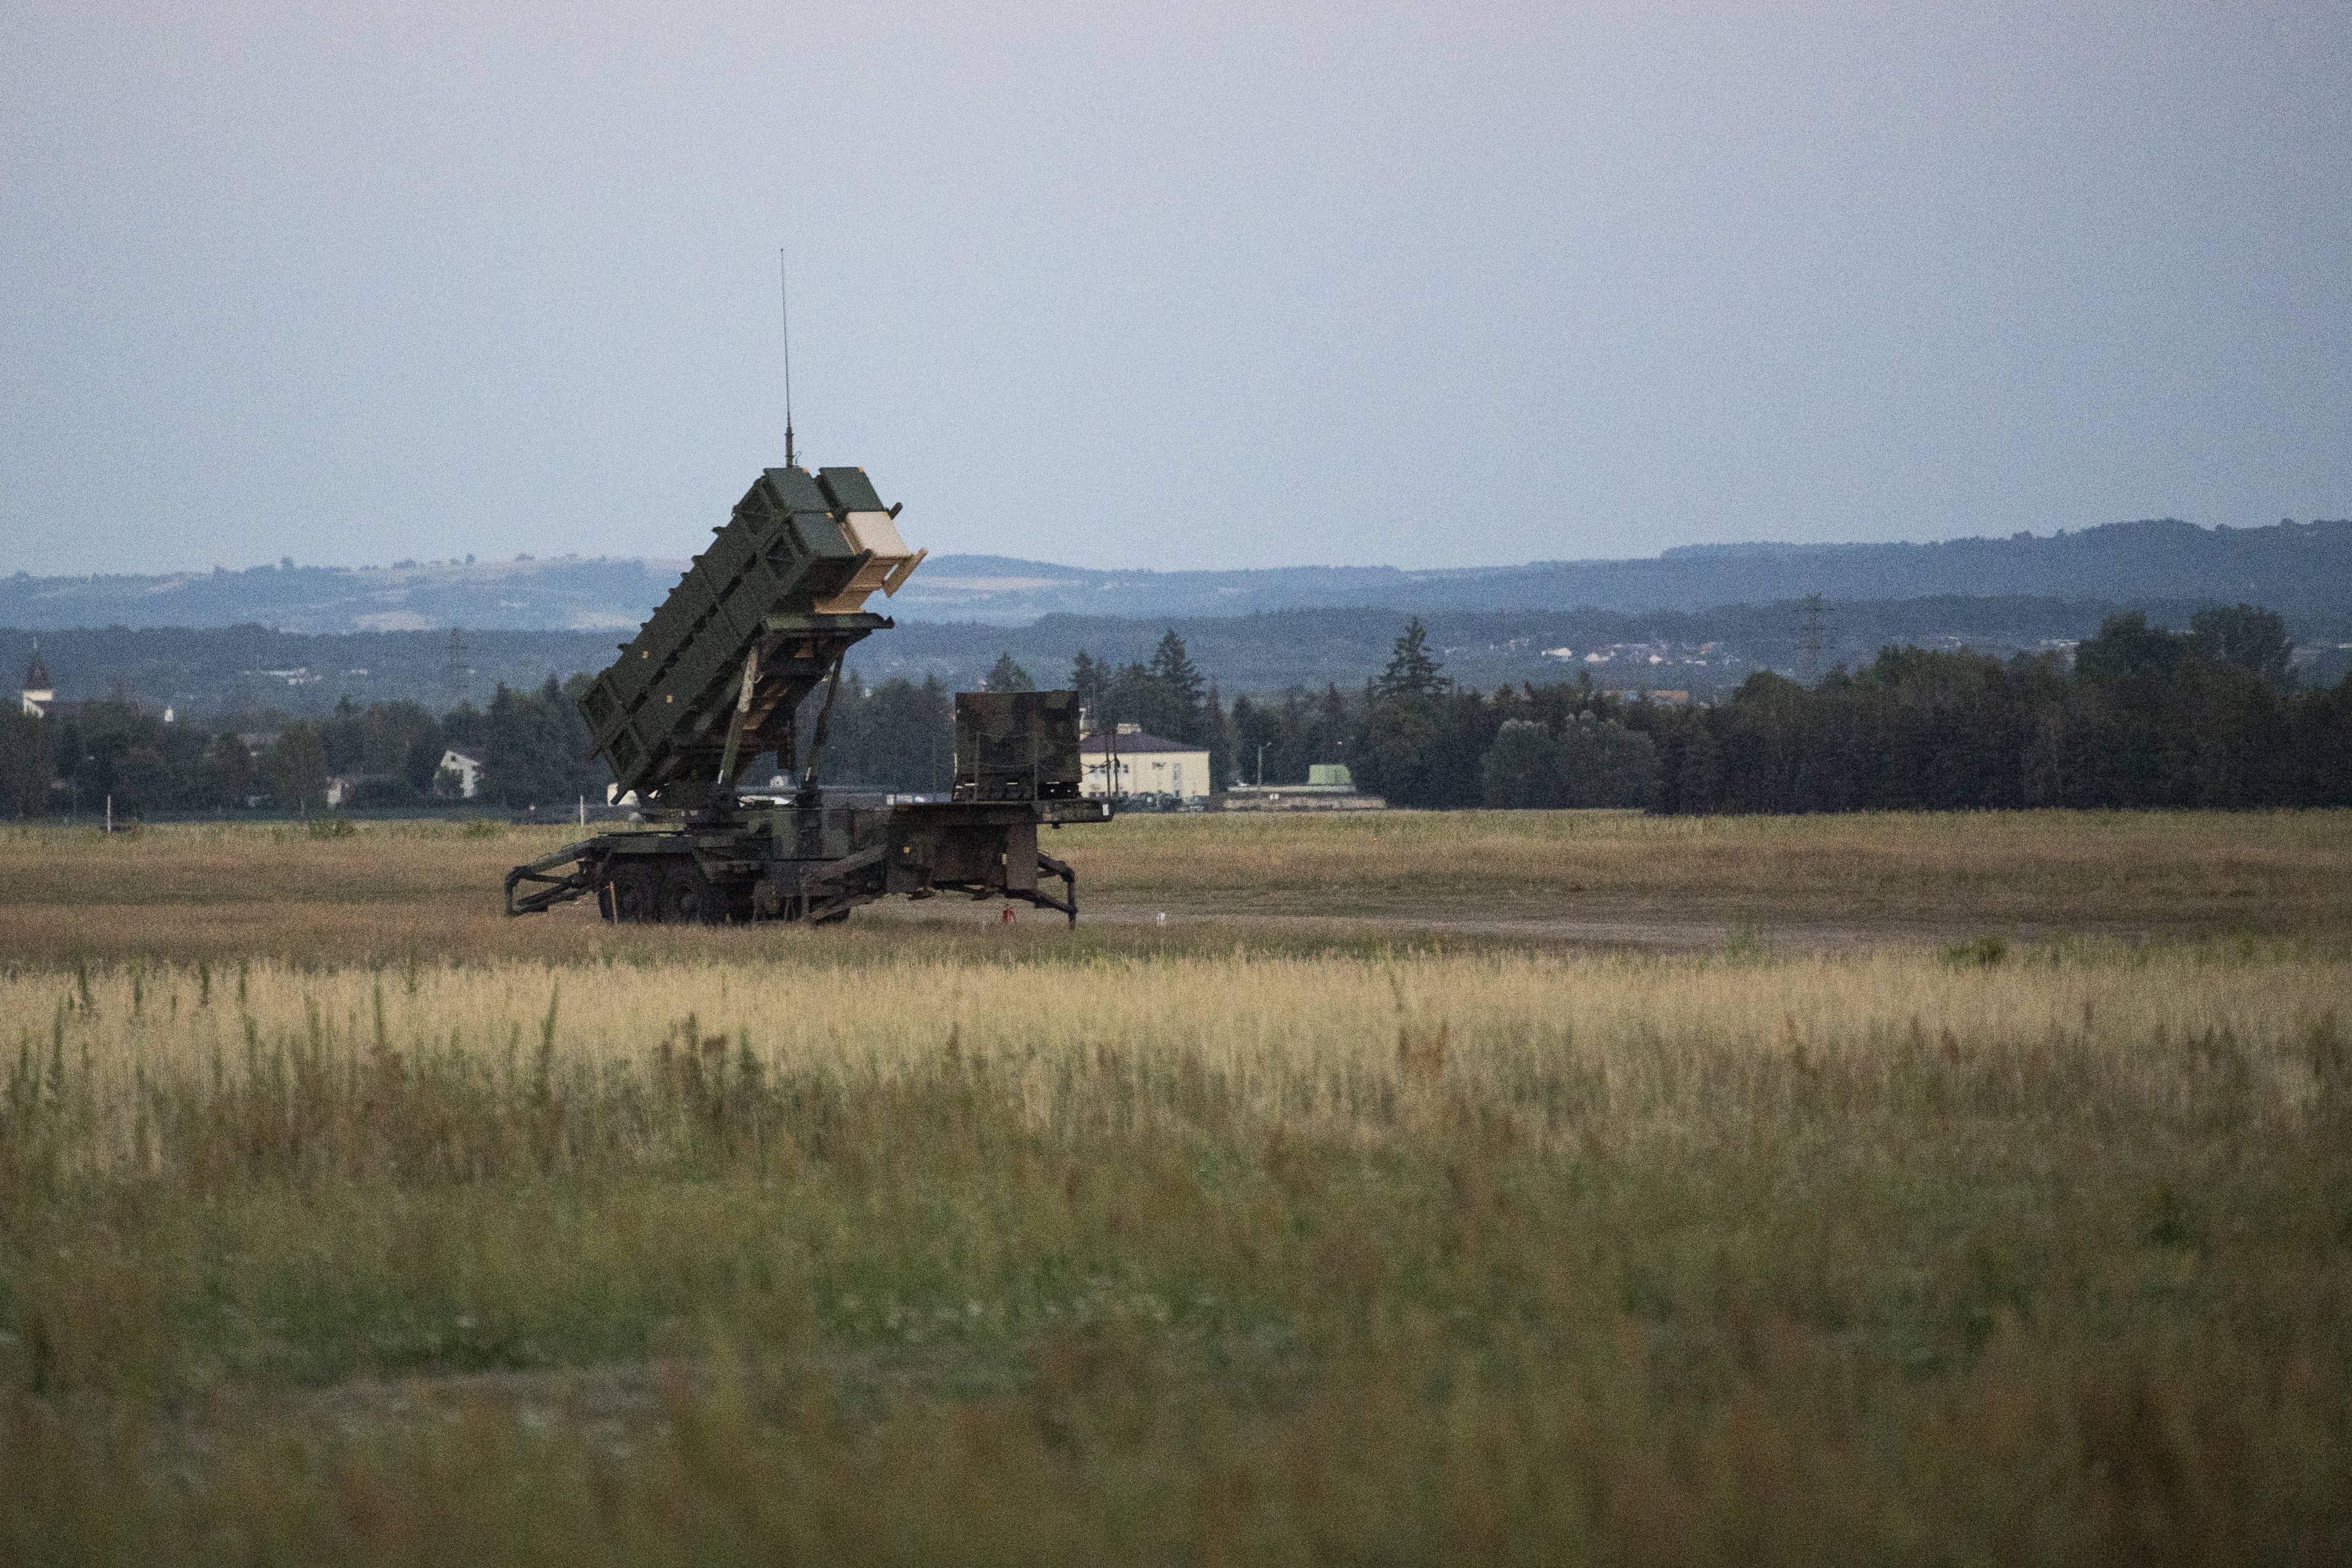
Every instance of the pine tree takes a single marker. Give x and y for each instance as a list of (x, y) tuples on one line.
[(296, 765), (1219, 741), (1090, 681), (1183, 693), (1008, 677), (1331, 743), (27, 763), (1411, 672)]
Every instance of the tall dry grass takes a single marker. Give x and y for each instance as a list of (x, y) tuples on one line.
[(1280, 1033), (1914, 1256)]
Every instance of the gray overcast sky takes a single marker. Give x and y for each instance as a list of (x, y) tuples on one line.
[(1172, 286)]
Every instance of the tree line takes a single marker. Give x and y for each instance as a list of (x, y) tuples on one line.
[(532, 746), (2143, 718), (2139, 716)]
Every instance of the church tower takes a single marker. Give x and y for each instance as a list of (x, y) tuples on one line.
[(38, 693)]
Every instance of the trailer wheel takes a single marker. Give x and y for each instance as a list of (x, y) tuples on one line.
[(689, 899), (637, 893)]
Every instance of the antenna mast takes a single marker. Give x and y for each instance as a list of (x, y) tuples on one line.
[(784, 287)]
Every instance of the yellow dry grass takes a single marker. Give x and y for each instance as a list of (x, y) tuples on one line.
[(1277, 1031)]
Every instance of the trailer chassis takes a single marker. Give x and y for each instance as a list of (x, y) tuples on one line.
[(810, 861)]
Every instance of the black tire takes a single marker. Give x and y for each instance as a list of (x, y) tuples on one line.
[(687, 898), (634, 893)]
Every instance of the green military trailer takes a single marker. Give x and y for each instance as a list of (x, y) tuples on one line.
[(719, 675)]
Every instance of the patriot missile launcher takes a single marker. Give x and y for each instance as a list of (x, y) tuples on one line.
[(718, 676)]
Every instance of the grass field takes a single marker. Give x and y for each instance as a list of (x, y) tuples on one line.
[(231, 892), (343, 1221)]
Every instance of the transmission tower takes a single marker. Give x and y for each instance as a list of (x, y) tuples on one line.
[(454, 669), (1809, 639)]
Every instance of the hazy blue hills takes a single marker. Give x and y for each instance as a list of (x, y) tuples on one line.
[(205, 671), (2301, 569), (2297, 568), (520, 595)]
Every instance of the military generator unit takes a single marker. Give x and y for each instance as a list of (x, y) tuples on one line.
[(718, 676)]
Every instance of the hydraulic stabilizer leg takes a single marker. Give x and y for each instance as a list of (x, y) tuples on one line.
[(1069, 903), (550, 889)]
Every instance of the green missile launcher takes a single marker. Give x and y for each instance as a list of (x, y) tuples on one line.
[(717, 676)]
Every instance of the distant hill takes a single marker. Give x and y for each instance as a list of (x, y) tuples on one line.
[(2296, 568), (520, 595), (206, 672), (1706, 651), (2300, 569)]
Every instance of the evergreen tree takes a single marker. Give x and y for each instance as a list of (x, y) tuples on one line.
[(1410, 671), (1602, 763), (1398, 755), (1255, 734), (1333, 727), (343, 734), (1008, 677), (1163, 698), (1181, 695), (537, 753), (1700, 776), (2253, 640), (143, 781), (901, 737), (1521, 769), (27, 763), (466, 728), (1091, 682), (296, 767), (227, 777)]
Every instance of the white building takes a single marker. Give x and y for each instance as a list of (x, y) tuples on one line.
[(38, 692), (1145, 764), (468, 770)]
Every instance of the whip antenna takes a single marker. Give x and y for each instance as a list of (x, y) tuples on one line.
[(784, 288)]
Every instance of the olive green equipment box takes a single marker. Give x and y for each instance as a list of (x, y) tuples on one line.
[(717, 676)]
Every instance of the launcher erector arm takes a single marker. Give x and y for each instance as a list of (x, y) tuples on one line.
[(754, 625)]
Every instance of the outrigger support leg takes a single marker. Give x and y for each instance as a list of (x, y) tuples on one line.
[(549, 891), (1069, 903)]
